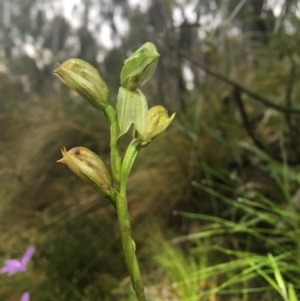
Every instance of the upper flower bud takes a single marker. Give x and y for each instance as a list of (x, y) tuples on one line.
[(139, 67), (89, 167), (157, 121), (85, 80)]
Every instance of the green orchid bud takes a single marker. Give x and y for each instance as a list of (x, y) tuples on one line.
[(85, 80), (131, 108), (157, 121), (89, 167), (139, 67)]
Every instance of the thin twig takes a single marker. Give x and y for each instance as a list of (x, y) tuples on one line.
[(231, 82), (247, 125)]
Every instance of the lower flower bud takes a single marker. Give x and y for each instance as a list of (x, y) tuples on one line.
[(89, 167)]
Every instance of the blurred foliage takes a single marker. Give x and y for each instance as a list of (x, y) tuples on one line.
[(241, 155)]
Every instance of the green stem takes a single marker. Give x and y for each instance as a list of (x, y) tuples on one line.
[(121, 174), (129, 246), (115, 152), (129, 158), (124, 221)]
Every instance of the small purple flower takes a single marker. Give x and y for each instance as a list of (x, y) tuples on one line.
[(13, 266), (25, 297)]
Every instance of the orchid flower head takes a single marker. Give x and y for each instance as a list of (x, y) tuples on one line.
[(13, 266)]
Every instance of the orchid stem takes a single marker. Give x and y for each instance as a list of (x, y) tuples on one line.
[(129, 246), (115, 151)]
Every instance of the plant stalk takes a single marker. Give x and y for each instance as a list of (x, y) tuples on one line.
[(115, 152), (129, 158), (129, 246)]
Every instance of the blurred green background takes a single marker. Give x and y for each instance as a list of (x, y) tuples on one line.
[(214, 200)]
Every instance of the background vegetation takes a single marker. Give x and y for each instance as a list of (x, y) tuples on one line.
[(214, 201)]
